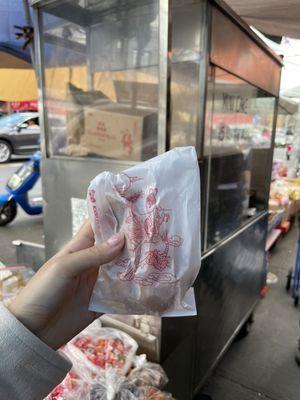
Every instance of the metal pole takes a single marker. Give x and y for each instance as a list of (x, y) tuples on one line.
[(38, 23), (165, 59)]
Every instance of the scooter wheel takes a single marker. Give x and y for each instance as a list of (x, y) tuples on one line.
[(8, 213)]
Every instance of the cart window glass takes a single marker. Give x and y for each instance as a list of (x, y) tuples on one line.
[(185, 68), (238, 146), (101, 78)]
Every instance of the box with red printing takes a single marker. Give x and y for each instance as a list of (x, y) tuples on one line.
[(120, 132)]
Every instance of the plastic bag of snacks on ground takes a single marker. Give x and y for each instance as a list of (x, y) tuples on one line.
[(72, 387), (101, 348), (112, 386), (157, 205), (147, 373), (94, 351), (152, 393)]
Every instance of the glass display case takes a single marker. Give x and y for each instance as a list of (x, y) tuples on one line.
[(238, 145), (101, 80), (121, 81)]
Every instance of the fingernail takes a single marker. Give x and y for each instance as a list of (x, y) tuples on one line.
[(116, 239)]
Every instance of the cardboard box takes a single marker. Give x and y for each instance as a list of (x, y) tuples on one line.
[(76, 100), (120, 132)]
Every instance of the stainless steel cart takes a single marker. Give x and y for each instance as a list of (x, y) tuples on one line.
[(123, 80)]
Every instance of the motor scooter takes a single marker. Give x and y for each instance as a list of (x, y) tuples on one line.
[(17, 188)]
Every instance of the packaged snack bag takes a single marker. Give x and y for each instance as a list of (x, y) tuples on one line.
[(112, 386), (99, 355), (152, 393), (72, 387), (157, 206), (96, 349), (147, 373)]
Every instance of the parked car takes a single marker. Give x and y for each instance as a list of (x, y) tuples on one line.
[(19, 134)]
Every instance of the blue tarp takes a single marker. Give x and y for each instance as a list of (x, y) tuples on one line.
[(12, 13)]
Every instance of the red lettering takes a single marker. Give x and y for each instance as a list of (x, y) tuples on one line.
[(92, 195)]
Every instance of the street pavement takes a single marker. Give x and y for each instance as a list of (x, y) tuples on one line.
[(262, 366), (24, 227)]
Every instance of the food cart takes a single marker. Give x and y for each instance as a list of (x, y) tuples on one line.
[(124, 80)]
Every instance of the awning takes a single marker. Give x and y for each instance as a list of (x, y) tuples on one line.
[(10, 61), (287, 106), (11, 14), (274, 17), (17, 77), (17, 84)]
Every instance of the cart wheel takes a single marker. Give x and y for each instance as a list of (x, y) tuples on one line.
[(288, 280), (296, 301), (245, 329)]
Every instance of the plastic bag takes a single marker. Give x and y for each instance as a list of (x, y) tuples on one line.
[(152, 393), (147, 373), (112, 386), (157, 205), (93, 352), (95, 349), (72, 387)]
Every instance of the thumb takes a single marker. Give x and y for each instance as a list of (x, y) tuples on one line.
[(94, 256)]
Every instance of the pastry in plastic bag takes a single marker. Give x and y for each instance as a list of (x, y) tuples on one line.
[(157, 205), (147, 373), (93, 352)]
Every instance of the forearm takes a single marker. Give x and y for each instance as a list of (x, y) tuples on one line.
[(29, 369)]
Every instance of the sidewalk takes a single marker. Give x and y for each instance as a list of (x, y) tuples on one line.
[(24, 227), (262, 366)]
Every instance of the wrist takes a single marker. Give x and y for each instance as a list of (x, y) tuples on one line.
[(14, 310), (23, 316)]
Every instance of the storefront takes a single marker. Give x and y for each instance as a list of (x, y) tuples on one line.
[(130, 80)]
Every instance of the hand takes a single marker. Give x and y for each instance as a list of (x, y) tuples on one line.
[(54, 303)]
